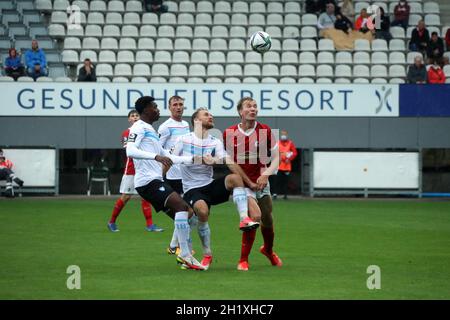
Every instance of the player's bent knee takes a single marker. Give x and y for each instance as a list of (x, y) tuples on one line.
[(235, 180)]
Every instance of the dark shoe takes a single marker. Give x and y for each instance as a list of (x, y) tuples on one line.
[(18, 181)]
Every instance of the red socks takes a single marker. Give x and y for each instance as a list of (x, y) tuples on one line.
[(248, 238), (147, 211), (268, 236), (116, 211)]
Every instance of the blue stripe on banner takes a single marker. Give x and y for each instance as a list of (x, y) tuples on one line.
[(424, 100)]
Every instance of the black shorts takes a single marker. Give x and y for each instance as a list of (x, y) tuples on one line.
[(177, 185), (156, 192), (213, 193)]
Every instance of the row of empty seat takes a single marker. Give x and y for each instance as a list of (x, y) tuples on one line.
[(71, 57), (238, 19), (218, 6)]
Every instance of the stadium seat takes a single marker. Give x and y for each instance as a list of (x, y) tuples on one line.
[(158, 80), (107, 44), (168, 18), (114, 18), (166, 32), (111, 31), (160, 70), (201, 57), (306, 70), (197, 70), (308, 45), (397, 32), (56, 31), (292, 57), (378, 71), (250, 80), (177, 80), (182, 44), (195, 80), (379, 45), (116, 6), (361, 58), (134, 6), (221, 19), (324, 80), (238, 32), (63, 79), (215, 70), (292, 7), (275, 7), (288, 32), (162, 56), (70, 57), (60, 5), (256, 19), (397, 45), (181, 57), (292, 19), (285, 70), (219, 44), (397, 58), (237, 45), (25, 79), (361, 71), (431, 7), (307, 58), (139, 80), (396, 81), (343, 71), (235, 57), (125, 56), (83, 5), (131, 18), (178, 70), (6, 79), (88, 54), (362, 45), (255, 57), (432, 20), (379, 58), (269, 80), (240, 7), (213, 80), (41, 5), (93, 30), (343, 57), (146, 44), (120, 80), (94, 18), (252, 70), (58, 17), (274, 19), (219, 32), (258, 7), (397, 71), (239, 19), (378, 81), (414, 19), (309, 19), (269, 57), (447, 71), (144, 56), (150, 18), (287, 80), (186, 19), (305, 80), (233, 70), (307, 32), (214, 57), (205, 7), (324, 71), (164, 44), (232, 80), (200, 45), (361, 80), (72, 43), (342, 80), (324, 57), (123, 70), (104, 70)]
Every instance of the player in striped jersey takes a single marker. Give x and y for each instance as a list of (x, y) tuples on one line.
[(169, 131), (149, 159), (127, 187)]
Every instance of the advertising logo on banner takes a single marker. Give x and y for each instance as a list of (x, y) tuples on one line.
[(274, 100)]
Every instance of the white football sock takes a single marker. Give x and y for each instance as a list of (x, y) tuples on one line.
[(174, 241), (183, 230), (204, 233), (193, 221), (241, 201)]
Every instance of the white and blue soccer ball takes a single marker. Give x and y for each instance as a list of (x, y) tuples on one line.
[(260, 41)]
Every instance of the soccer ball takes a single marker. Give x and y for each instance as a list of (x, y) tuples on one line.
[(260, 41)]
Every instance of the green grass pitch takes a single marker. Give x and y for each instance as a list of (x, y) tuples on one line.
[(326, 247)]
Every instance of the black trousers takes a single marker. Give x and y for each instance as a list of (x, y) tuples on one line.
[(6, 174), (282, 182)]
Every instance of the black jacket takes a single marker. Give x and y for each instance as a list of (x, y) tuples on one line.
[(439, 45), (84, 77), (343, 24)]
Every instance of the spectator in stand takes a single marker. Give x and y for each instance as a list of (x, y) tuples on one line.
[(87, 72), (447, 39), (343, 23), (385, 24), (327, 19), (417, 73), (155, 6), (36, 61), (435, 50), (361, 22), (347, 10), (401, 14), (436, 74), (13, 65), (420, 38)]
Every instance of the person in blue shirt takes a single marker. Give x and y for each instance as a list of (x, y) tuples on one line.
[(36, 61), (13, 65)]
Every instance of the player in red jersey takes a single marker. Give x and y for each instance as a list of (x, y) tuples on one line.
[(127, 187), (253, 146)]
